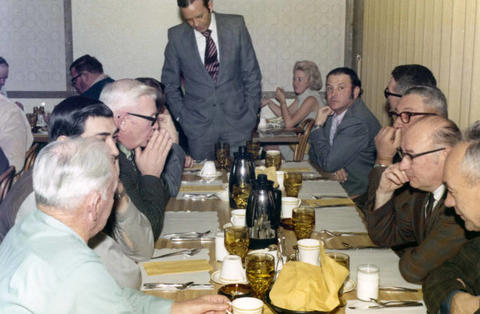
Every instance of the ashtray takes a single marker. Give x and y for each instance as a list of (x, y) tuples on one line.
[(235, 290)]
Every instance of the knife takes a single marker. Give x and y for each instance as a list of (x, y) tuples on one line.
[(167, 285)]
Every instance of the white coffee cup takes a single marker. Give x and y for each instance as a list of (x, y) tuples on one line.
[(288, 204), (232, 270), (238, 217), (208, 169), (309, 251), (247, 305), (220, 250)]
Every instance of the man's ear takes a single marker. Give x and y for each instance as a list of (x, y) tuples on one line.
[(356, 92), (92, 205), (210, 6), (121, 121)]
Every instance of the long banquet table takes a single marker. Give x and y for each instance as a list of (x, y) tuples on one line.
[(357, 244)]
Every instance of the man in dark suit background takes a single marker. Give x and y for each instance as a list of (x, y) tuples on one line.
[(212, 54), (342, 138), (88, 78)]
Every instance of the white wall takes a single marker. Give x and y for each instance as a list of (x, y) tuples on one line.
[(129, 37)]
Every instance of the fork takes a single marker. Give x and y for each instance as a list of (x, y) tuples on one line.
[(189, 252)]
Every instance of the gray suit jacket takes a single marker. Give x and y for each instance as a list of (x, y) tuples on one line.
[(237, 90), (353, 146)]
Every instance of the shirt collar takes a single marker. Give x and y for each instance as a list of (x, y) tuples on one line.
[(128, 153), (438, 193)]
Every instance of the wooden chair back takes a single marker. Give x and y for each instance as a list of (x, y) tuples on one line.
[(6, 179), (300, 148), (30, 156)]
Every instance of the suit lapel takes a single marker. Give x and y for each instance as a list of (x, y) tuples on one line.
[(419, 219), (224, 44)]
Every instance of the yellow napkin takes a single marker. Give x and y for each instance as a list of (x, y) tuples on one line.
[(271, 173), (201, 188), (297, 169), (176, 267), (305, 287), (328, 202)]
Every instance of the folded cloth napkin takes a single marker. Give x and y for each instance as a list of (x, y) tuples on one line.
[(360, 307), (305, 287), (271, 173), (176, 267), (328, 202)]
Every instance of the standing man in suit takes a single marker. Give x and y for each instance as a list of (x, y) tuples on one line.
[(342, 138), (417, 216), (213, 54)]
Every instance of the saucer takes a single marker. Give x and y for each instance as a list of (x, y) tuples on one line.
[(210, 177), (216, 279), (349, 285)]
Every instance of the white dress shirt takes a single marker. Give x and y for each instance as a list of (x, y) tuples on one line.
[(202, 43)]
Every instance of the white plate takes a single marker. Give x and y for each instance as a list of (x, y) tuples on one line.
[(349, 285), (216, 278), (210, 177)]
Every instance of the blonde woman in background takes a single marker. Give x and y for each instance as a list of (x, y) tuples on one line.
[(307, 82)]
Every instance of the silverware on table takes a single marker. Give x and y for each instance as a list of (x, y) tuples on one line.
[(399, 289), (178, 286), (386, 304), (189, 252), (200, 196), (321, 196)]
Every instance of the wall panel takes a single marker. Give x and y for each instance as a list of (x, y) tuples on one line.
[(443, 35)]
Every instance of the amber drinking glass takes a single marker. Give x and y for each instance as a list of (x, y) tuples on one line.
[(273, 159), (260, 268), (303, 222), (237, 241), (292, 183), (222, 155)]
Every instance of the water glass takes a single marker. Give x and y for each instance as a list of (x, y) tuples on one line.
[(222, 154), (303, 219), (237, 241), (292, 183), (273, 159), (260, 269)]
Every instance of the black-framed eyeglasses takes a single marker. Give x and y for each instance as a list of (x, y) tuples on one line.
[(75, 78), (403, 154), (149, 118), (406, 115), (386, 93)]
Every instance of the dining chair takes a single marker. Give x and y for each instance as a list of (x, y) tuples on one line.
[(30, 156), (301, 147), (6, 179)]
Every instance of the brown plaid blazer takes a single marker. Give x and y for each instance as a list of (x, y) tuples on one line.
[(401, 221)]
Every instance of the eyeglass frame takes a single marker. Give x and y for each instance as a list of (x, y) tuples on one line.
[(403, 154), (74, 79), (149, 118), (409, 115), (387, 93)]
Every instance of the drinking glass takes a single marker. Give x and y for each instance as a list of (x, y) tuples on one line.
[(260, 268), (237, 241), (341, 258), (222, 154), (240, 194), (292, 183), (254, 149), (303, 221), (273, 158)]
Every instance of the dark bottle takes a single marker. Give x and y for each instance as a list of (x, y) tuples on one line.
[(263, 213), (241, 178)]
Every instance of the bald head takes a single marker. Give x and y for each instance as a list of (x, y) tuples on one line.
[(435, 129)]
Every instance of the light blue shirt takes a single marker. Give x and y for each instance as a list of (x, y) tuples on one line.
[(45, 267)]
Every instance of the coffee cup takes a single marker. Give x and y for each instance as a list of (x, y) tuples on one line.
[(208, 169), (288, 204), (232, 270), (238, 217), (309, 251), (247, 305)]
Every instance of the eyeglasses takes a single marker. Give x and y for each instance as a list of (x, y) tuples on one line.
[(406, 115), (403, 154), (387, 93), (75, 78), (149, 118)]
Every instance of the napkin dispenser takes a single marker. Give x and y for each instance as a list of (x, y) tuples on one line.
[(263, 213)]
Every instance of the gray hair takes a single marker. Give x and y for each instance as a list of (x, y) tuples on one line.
[(432, 97), (312, 71), (470, 164), (67, 171), (124, 93)]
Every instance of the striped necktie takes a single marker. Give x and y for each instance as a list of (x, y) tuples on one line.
[(211, 60)]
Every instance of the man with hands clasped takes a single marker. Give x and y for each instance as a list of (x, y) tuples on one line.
[(417, 217), (342, 138)]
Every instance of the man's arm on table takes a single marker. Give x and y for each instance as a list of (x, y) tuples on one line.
[(461, 273), (348, 142), (174, 168)]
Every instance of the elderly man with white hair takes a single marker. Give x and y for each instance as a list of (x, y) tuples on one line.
[(151, 163), (46, 265)]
